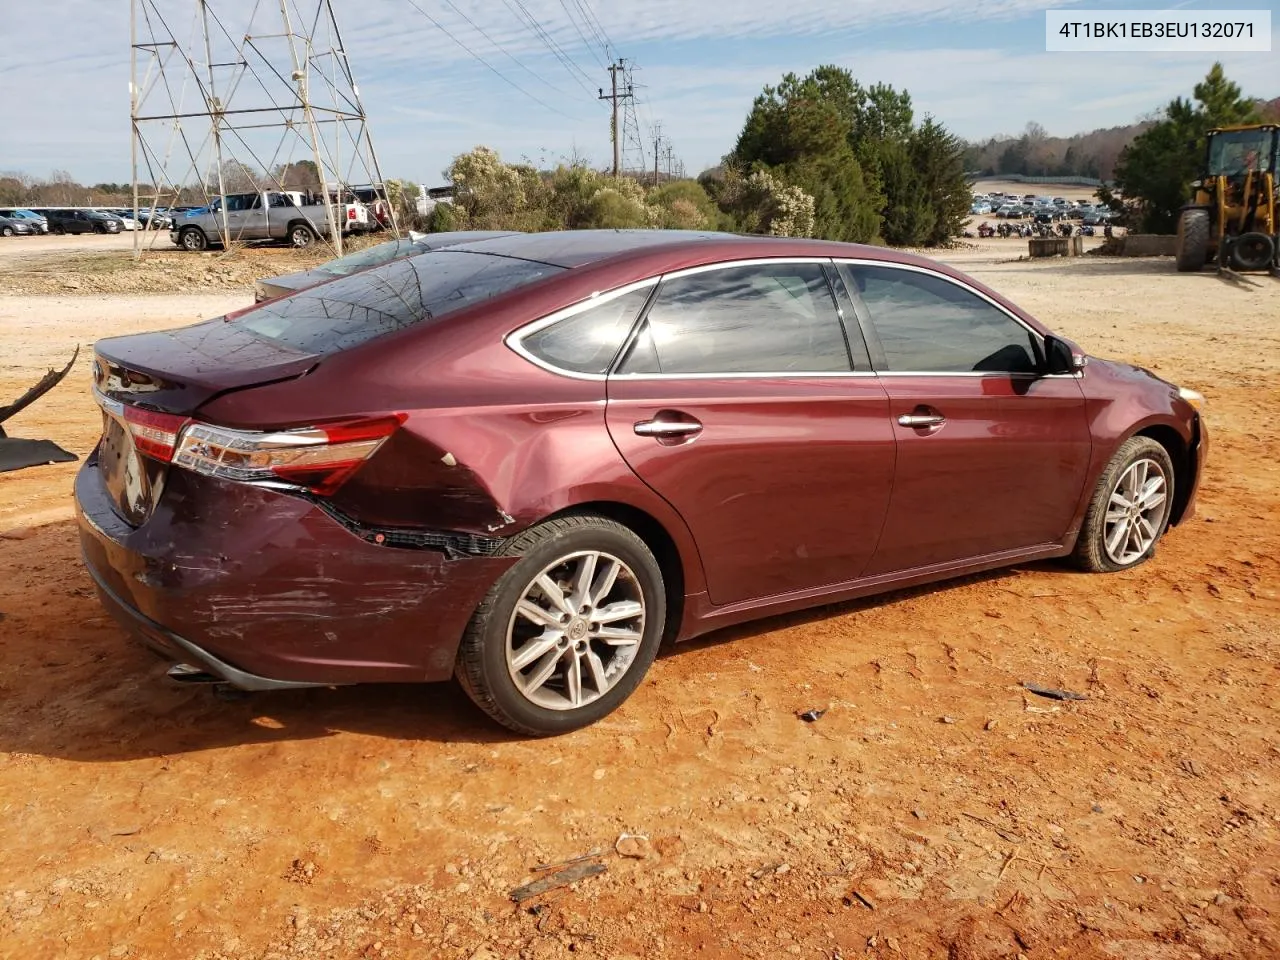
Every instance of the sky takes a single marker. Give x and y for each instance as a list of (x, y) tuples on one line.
[(978, 66)]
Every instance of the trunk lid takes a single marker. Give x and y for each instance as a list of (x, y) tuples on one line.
[(175, 371), (171, 373)]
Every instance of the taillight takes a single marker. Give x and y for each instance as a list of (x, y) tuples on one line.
[(154, 434), (317, 459), (351, 213)]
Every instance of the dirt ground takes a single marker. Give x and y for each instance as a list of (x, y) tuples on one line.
[(936, 810)]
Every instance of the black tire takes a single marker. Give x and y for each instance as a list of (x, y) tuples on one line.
[(481, 666), (301, 236), (59, 230), (1192, 250), (1091, 550), (193, 239), (6, 232), (1252, 251)]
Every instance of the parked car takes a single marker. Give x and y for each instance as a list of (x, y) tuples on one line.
[(363, 259), (1048, 215), (980, 208), (526, 461), (35, 221), (82, 221), (124, 216), (13, 226), (265, 215)]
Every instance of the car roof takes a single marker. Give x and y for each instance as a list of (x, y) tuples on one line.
[(576, 248), (617, 257)]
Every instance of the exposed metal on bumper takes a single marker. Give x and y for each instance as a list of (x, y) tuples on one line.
[(269, 585), (169, 644)]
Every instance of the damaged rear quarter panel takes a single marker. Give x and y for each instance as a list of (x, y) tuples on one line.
[(492, 443)]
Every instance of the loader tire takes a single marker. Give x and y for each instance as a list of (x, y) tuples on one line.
[(1192, 250)]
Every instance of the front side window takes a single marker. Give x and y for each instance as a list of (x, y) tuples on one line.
[(587, 341), (757, 318), (927, 324)]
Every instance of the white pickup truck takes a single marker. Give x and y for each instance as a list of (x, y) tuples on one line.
[(266, 215)]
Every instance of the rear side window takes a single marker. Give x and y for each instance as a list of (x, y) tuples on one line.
[(351, 310), (587, 341)]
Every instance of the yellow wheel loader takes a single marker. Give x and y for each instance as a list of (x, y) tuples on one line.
[(1233, 218)]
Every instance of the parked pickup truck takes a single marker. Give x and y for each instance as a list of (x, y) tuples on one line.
[(267, 215)]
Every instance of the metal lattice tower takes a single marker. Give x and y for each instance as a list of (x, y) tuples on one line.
[(633, 152), (237, 95)]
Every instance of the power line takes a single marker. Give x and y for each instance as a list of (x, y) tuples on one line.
[(582, 36), (501, 49), (575, 71), (492, 69), (596, 27)]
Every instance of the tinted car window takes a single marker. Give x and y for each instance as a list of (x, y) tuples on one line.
[(587, 342), (929, 325), (765, 318), (368, 257), (350, 310)]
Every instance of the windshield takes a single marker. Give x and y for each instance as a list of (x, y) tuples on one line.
[(369, 257), (350, 310), (1236, 152)]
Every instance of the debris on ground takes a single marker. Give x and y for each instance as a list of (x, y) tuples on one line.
[(1053, 693), (561, 878), (809, 716), (633, 845), (854, 896), (15, 453)]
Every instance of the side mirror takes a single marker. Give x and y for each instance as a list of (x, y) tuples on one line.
[(1062, 357)]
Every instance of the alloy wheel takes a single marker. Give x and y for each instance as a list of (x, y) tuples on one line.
[(1136, 511), (575, 631)]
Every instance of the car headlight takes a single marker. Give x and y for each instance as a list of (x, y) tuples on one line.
[(1192, 397)]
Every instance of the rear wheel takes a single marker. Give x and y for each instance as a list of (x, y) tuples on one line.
[(1252, 251), (193, 239), (1130, 508), (59, 230), (6, 232), (566, 635), (1192, 250), (301, 235)]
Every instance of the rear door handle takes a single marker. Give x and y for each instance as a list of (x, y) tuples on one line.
[(919, 420), (668, 428)]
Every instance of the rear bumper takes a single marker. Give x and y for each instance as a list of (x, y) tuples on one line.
[(266, 590)]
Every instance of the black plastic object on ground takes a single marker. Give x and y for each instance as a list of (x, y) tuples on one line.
[(16, 453)]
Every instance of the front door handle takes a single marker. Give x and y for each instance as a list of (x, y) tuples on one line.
[(668, 428), (919, 420)]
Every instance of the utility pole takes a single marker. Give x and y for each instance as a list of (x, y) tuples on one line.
[(657, 150), (615, 97)]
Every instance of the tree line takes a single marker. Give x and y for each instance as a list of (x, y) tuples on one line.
[(819, 156)]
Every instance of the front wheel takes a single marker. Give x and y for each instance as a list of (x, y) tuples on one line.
[(1130, 508), (568, 632), (1191, 250), (193, 239)]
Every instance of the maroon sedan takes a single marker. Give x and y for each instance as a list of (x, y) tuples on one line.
[(526, 461)]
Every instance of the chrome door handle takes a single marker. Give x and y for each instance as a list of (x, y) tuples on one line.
[(667, 428), (922, 420)]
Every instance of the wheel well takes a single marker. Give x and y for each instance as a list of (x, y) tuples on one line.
[(1173, 444), (299, 223), (655, 536)]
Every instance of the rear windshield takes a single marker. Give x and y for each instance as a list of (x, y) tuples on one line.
[(342, 313), (370, 256)]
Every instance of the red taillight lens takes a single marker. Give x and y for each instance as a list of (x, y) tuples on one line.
[(351, 213), (154, 434), (318, 459)]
